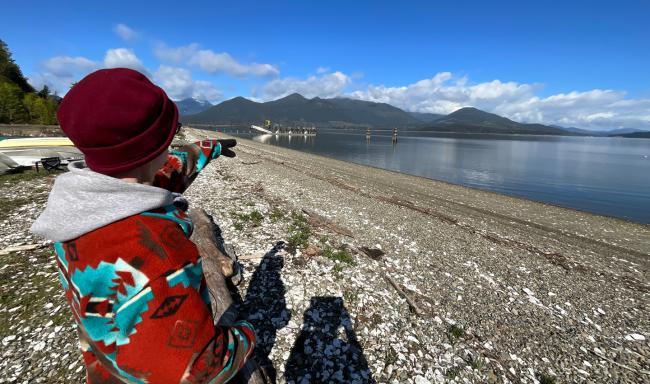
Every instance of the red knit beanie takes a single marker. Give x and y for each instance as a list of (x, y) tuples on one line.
[(118, 119)]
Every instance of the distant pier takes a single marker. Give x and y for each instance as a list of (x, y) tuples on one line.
[(280, 131), (393, 136)]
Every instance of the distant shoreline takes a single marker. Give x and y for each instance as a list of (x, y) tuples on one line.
[(361, 131), (449, 184), (30, 130)]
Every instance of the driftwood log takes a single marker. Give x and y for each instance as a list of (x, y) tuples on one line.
[(321, 221), (217, 267), (409, 300)]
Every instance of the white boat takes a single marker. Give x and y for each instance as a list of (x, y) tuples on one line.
[(33, 142), (6, 163), (260, 129), (27, 157), (26, 152)]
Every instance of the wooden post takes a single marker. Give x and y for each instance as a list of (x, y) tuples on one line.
[(216, 266)]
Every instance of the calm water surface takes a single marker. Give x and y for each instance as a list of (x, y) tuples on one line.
[(609, 176)]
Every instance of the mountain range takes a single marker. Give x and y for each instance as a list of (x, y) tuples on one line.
[(612, 132), (636, 135), (191, 106), (472, 120), (296, 109), (426, 117), (343, 112)]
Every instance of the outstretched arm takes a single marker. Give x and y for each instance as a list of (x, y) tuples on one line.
[(184, 164)]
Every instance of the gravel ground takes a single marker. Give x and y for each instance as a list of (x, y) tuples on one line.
[(501, 289), (38, 340)]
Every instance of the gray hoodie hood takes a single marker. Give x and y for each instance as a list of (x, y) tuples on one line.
[(82, 201)]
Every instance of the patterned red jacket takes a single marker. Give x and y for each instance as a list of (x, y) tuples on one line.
[(139, 297)]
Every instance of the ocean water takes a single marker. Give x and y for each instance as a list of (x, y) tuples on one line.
[(608, 176)]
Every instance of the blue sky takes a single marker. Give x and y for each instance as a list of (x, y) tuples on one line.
[(585, 63)]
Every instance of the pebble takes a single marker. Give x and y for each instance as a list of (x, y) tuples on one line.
[(421, 380), (635, 337)]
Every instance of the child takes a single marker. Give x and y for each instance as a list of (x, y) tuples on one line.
[(131, 275)]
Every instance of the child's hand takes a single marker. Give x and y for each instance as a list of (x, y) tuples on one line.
[(226, 144)]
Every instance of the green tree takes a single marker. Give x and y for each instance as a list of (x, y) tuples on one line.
[(45, 92), (10, 70), (51, 105), (37, 108), (12, 109), (40, 110), (19, 102)]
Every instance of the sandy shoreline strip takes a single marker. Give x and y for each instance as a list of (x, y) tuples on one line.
[(443, 197)]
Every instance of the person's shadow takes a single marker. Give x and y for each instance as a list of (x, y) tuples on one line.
[(265, 307), (327, 349)]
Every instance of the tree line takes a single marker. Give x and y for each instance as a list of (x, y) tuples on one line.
[(19, 102)]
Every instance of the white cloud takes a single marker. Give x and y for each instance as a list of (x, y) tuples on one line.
[(321, 70), (125, 32), (328, 85), (213, 62), (68, 66), (595, 109), (444, 93), (57, 85), (59, 72), (178, 84), (124, 58), (176, 55)]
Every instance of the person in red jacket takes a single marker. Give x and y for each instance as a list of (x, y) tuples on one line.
[(132, 277)]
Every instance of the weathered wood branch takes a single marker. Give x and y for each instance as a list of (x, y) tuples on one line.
[(414, 307), (251, 257), (619, 364), (207, 243), (216, 268), (18, 248), (321, 221)]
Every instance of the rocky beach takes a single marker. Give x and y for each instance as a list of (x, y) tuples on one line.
[(355, 274)]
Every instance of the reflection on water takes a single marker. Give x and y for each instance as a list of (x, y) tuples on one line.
[(609, 176)]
